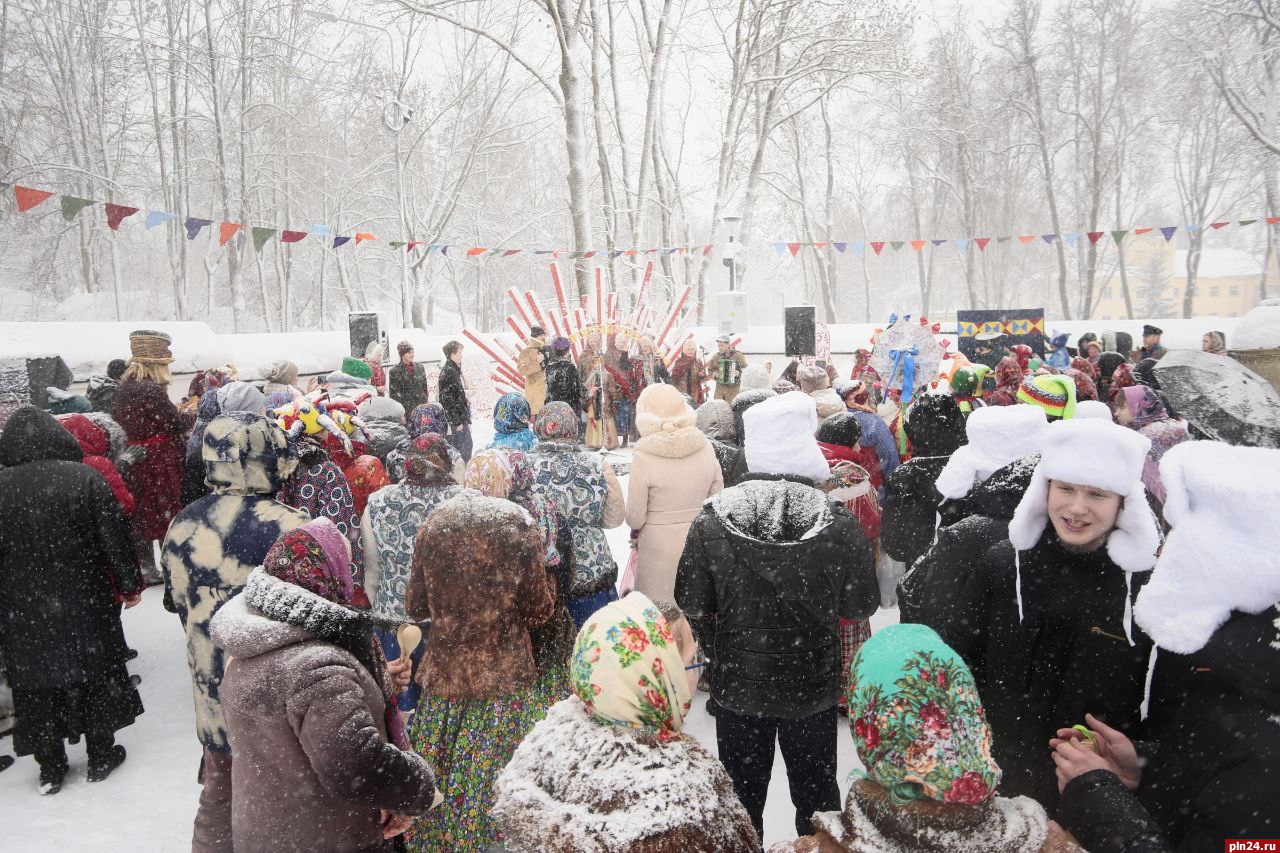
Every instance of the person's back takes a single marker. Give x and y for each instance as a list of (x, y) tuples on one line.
[(936, 427)]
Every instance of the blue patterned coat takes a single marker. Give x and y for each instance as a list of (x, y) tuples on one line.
[(573, 480)]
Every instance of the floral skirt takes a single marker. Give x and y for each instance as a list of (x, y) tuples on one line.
[(468, 742)]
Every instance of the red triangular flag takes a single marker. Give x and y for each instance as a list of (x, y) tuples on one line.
[(706, 250), (226, 231), (291, 236), (117, 213), (878, 247), (917, 244), (1138, 232), (793, 248), (1272, 220), (982, 243), (509, 252), (1095, 236), (1216, 225), (1026, 239), (476, 250), (28, 198)]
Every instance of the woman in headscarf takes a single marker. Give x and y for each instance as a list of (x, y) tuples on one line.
[(929, 782), (478, 575), (429, 418), (321, 758), (935, 426), (501, 473), (1088, 368), (365, 476), (1140, 408), (511, 423), (609, 768), (646, 368), (1085, 389), (1008, 375), (320, 489), (1214, 342), (389, 526), (688, 373), (587, 494), (1108, 363)]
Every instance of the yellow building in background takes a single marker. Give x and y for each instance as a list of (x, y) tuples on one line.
[(1226, 282)]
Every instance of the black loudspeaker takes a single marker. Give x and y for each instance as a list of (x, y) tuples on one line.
[(800, 330), (363, 329)]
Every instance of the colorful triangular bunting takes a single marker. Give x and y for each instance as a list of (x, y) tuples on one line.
[(261, 236), (159, 217), (1216, 225), (1048, 238), (227, 230), (982, 243), (897, 244), (287, 236), (1094, 236), (937, 242), (1070, 239), (840, 247), (479, 250), (1138, 232), (877, 246), (117, 213), (71, 206), (195, 225), (1244, 222), (1168, 231), (1118, 235), (793, 248), (27, 198), (340, 241), (961, 245), (917, 244)]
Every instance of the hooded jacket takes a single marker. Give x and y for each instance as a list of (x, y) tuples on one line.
[(215, 543), (64, 547), (769, 568), (1216, 771), (313, 764)]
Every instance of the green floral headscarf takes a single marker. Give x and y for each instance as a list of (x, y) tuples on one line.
[(627, 670), (918, 723)]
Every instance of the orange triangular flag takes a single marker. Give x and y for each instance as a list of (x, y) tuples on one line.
[(1027, 239), (1138, 232), (364, 235), (819, 245), (28, 198), (1272, 220), (917, 244), (476, 250), (226, 231)]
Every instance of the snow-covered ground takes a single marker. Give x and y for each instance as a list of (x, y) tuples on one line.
[(148, 804)]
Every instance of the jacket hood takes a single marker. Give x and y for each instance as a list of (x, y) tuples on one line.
[(1243, 653), (574, 784), (998, 496), (91, 438), (674, 444), (34, 435), (715, 419), (778, 512), (270, 613), (246, 454)]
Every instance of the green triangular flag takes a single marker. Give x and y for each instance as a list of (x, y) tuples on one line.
[(897, 244), (261, 236), (577, 254), (396, 244), (1003, 239), (72, 206), (1246, 221), (1118, 236)]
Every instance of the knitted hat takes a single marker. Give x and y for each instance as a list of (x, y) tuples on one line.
[(723, 339), (402, 348), (537, 332), (840, 429), (1105, 456), (661, 408), (1220, 554), (1093, 409), (356, 367), (997, 436), (556, 422), (281, 372), (561, 344), (314, 557), (813, 378), (779, 438), (917, 720), (753, 376), (964, 382), (1055, 394), (935, 425)]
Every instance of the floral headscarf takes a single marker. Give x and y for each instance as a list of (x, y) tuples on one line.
[(314, 558), (506, 473), (918, 724), (428, 418), (1085, 389), (428, 459), (365, 476), (556, 422), (1121, 378), (1144, 404), (1009, 374), (511, 414), (1085, 366), (627, 670)]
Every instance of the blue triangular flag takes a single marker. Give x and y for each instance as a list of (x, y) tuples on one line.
[(1070, 239), (1168, 232), (194, 226), (158, 217), (857, 248), (1192, 228), (961, 245), (322, 230), (339, 241), (840, 247), (780, 249)]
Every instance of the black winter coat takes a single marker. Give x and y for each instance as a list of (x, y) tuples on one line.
[(408, 388), (911, 508), (769, 568), (564, 384), (1216, 771), (935, 583), (726, 455), (453, 396), (1066, 657), (64, 548)]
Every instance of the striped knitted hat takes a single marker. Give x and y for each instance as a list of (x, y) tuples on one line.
[(1055, 394)]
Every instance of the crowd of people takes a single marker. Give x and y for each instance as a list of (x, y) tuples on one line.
[(398, 640)]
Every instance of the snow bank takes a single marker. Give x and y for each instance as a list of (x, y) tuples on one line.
[(1259, 329)]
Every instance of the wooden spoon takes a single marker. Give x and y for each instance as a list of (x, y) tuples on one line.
[(408, 636)]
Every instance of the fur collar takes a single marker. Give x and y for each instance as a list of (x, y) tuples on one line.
[(673, 444), (281, 601)]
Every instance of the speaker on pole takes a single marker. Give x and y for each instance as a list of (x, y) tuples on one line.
[(363, 328), (801, 330)]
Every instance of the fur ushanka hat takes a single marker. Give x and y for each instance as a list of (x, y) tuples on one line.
[(1105, 456), (997, 435)]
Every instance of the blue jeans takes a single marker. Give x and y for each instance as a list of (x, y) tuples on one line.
[(622, 417), (460, 439), (408, 699), (582, 608)]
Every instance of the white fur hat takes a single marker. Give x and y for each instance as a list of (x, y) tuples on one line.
[(1106, 456), (997, 435), (779, 437), (1221, 554), (1095, 409)]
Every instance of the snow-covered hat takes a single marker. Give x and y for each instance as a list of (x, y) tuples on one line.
[(1095, 409), (1105, 456), (779, 437), (1220, 554), (997, 436)]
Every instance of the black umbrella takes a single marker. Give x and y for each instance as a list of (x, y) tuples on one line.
[(1221, 397)]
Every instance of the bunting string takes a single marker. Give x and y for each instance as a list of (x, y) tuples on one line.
[(28, 199)]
